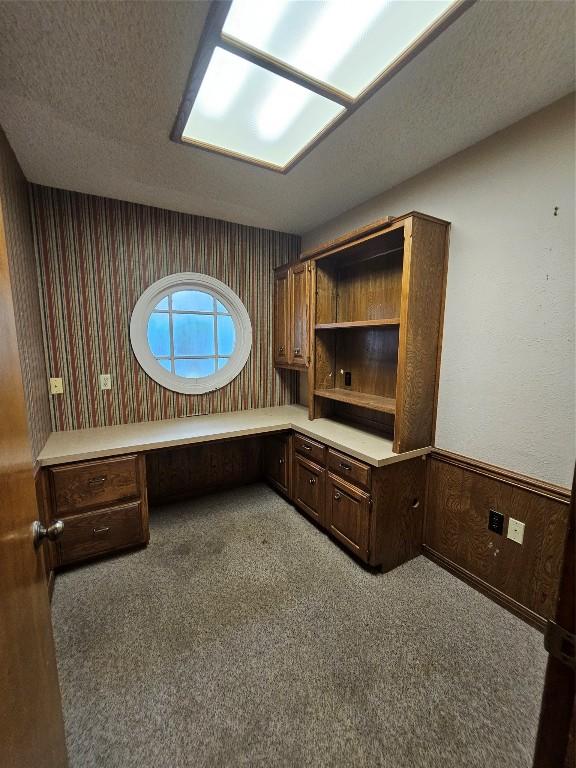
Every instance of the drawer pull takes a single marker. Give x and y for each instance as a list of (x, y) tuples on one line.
[(97, 480), (345, 466), (101, 530), (337, 496), (312, 481), (306, 447)]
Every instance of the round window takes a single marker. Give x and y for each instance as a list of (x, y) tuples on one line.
[(191, 333)]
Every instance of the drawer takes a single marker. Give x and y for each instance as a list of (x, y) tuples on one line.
[(95, 533), (350, 469), (94, 484), (310, 448), (308, 487)]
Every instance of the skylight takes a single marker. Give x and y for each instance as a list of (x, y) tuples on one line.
[(281, 73)]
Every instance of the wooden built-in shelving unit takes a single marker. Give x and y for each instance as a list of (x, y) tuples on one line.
[(376, 319)]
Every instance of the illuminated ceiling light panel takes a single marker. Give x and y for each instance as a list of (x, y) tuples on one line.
[(345, 44), (272, 77), (248, 111)]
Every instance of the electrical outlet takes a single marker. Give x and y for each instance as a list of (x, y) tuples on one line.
[(56, 386), (516, 530), (495, 521), (105, 381)]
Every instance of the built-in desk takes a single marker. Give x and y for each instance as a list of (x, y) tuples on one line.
[(82, 444), (345, 479)]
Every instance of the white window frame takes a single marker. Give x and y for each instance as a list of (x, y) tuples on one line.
[(186, 281)]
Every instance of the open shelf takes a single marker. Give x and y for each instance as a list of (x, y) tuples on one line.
[(358, 324), (374, 402)]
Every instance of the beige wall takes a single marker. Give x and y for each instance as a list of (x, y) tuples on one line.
[(507, 385)]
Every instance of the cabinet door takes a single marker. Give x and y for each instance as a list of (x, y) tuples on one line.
[(281, 311), (299, 315), (276, 467), (348, 515), (309, 487)]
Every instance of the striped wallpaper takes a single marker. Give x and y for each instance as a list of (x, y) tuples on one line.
[(14, 201), (95, 258)]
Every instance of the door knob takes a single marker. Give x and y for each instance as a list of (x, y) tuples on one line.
[(337, 496), (40, 532)]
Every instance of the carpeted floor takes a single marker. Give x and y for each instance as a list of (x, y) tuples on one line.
[(244, 637)]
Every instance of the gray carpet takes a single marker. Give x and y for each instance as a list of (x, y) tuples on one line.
[(244, 637)]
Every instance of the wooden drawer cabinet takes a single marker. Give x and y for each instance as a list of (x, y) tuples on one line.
[(350, 469), (276, 461), (310, 448), (93, 484), (348, 515), (103, 504), (308, 487), (90, 534)]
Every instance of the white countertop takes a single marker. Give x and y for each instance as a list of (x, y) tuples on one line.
[(80, 444)]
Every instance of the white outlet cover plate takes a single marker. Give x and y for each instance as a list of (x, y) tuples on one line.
[(516, 530), (105, 381)]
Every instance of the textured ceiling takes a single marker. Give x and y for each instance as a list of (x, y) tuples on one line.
[(89, 92)]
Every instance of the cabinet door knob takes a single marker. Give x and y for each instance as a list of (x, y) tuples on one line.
[(296, 350), (312, 481), (337, 496), (280, 461), (281, 350)]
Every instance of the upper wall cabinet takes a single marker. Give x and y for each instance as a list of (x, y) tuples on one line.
[(377, 304), (292, 315)]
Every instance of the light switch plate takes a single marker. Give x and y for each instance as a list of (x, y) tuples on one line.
[(56, 386), (516, 530), (105, 381)]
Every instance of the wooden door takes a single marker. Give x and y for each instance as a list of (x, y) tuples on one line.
[(299, 311), (275, 458), (281, 315), (308, 487), (31, 724), (555, 742), (348, 515)]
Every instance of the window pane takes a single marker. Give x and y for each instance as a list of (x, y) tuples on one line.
[(166, 363), (193, 334), (221, 308), (159, 334), (222, 361), (226, 335), (197, 301), (194, 369), (162, 304), (247, 110)]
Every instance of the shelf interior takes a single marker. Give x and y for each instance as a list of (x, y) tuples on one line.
[(374, 402), (358, 324)]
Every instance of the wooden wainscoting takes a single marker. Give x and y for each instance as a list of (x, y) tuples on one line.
[(524, 578), (196, 469)]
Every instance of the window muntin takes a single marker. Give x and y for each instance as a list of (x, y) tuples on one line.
[(191, 333)]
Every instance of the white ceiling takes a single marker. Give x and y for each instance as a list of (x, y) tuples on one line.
[(89, 92)]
